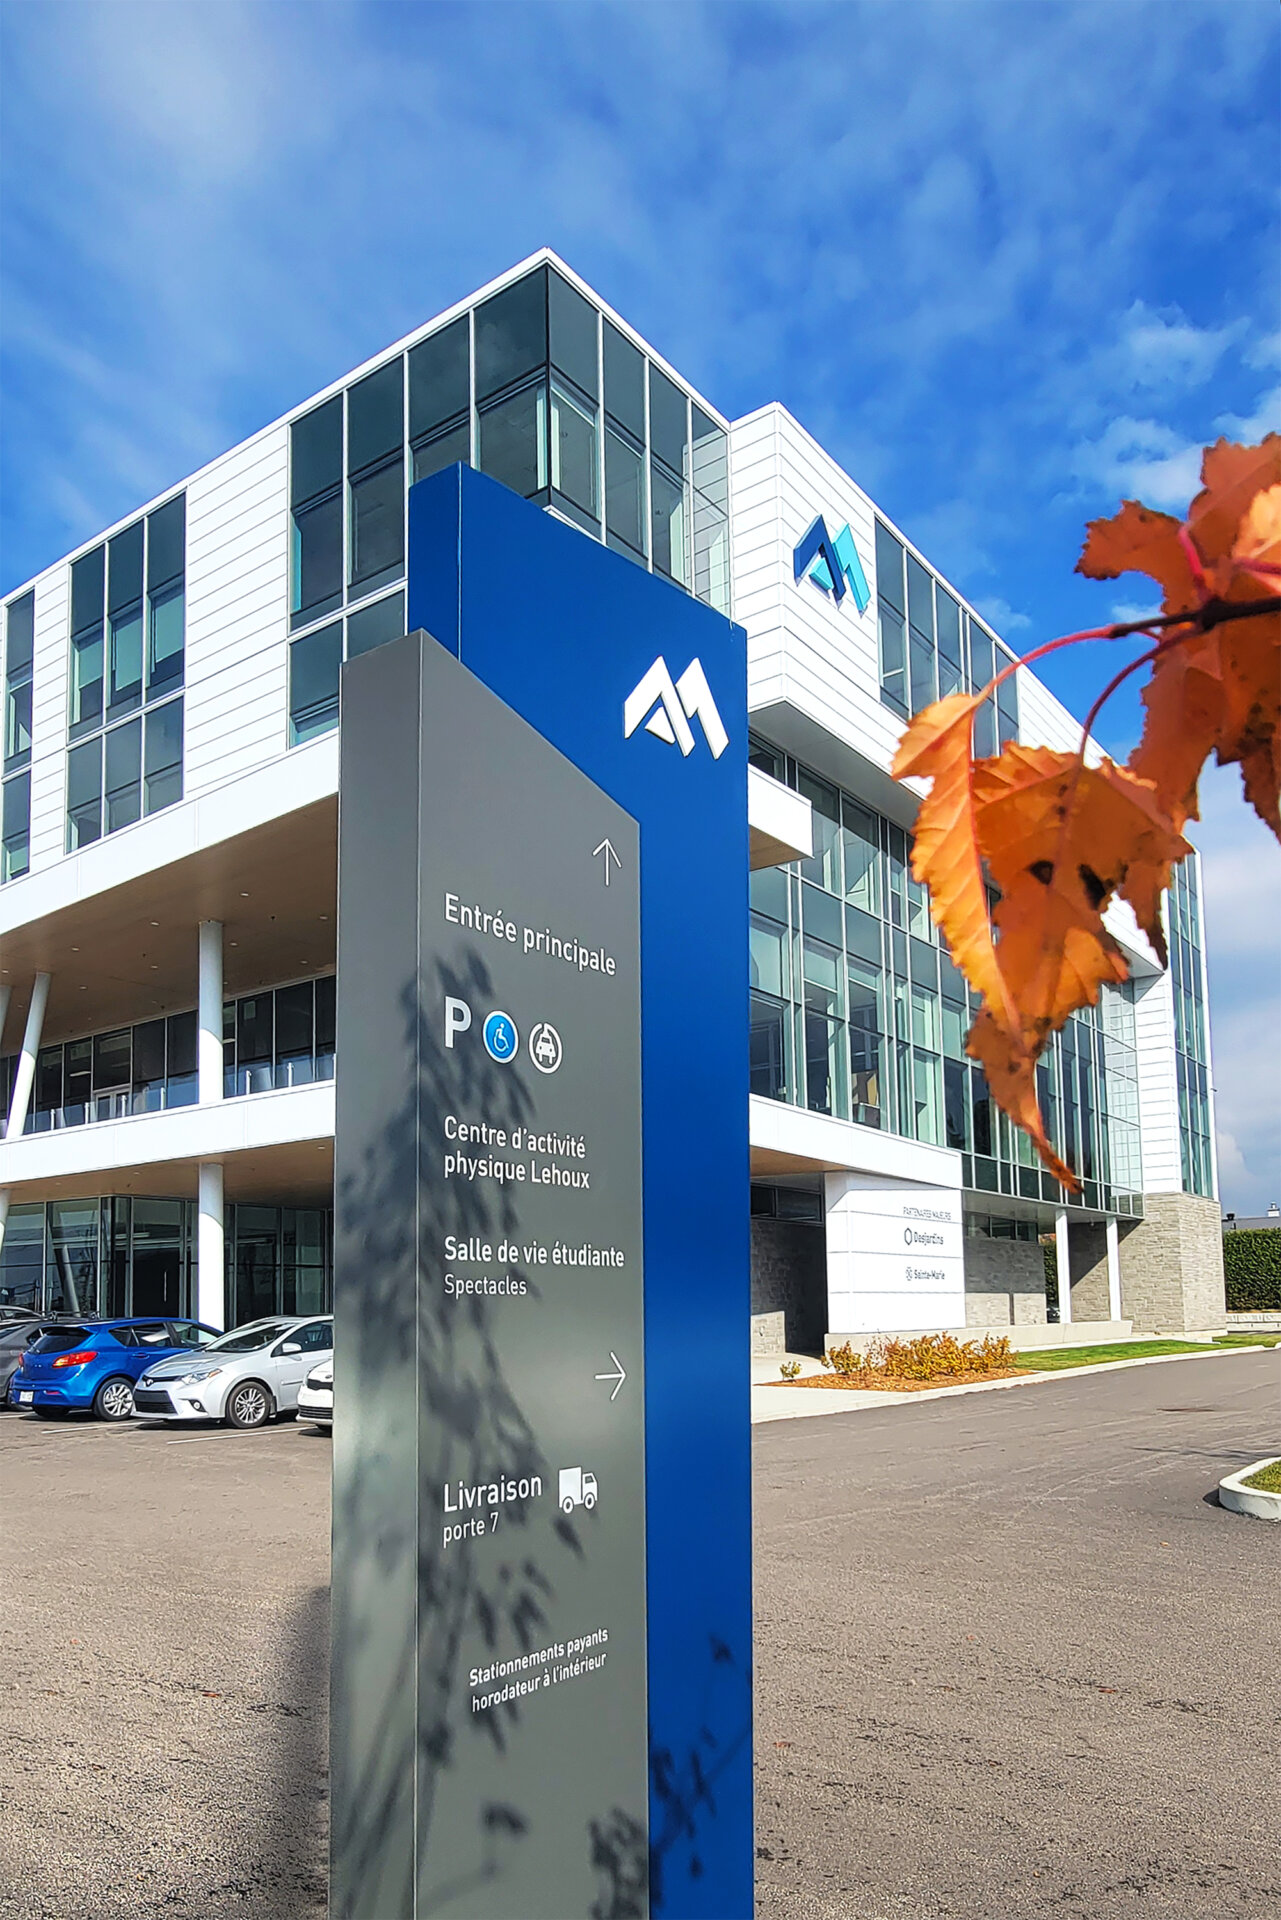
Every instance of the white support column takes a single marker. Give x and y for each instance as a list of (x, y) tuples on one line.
[(1064, 1263), (1114, 1269), (4, 1214), (26, 1073), (209, 1018), (210, 1241)]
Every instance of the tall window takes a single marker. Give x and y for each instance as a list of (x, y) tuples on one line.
[(315, 489), (376, 479), (931, 646), (440, 399), (668, 460), (125, 719), (15, 826)]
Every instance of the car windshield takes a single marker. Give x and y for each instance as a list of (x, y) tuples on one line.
[(248, 1339), (62, 1339)]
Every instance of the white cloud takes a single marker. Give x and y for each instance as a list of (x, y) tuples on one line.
[(1250, 428), (1123, 612), (1140, 460), (1167, 351), (1001, 615)]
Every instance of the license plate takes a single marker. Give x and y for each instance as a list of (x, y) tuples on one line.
[(25, 1399)]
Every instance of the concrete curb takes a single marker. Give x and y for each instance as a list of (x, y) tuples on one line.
[(1238, 1498), (796, 1403)]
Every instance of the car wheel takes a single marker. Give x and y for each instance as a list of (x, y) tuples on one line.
[(114, 1399), (248, 1405)]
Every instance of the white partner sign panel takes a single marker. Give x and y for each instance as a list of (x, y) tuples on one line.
[(895, 1255)]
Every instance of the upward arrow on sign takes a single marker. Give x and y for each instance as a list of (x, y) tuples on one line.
[(607, 848)]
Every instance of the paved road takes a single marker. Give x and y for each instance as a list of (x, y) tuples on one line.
[(1012, 1664), (163, 1672), (947, 1593)]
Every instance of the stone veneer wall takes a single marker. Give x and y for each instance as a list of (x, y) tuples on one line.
[(1004, 1282), (1172, 1265), (789, 1281), (1088, 1259)]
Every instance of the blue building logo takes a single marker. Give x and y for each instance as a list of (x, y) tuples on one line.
[(831, 564)]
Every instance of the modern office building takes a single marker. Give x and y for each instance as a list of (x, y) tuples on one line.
[(168, 865)]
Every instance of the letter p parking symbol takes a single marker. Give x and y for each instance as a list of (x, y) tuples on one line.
[(457, 1018)]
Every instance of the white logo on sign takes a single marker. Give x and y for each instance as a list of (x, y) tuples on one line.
[(666, 708)]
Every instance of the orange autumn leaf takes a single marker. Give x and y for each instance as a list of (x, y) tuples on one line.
[(1219, 690), (1137, 540), (1184, 702), (1059, 839), (1258, 541), (1231, 478), (937, 746), (1052, 829)]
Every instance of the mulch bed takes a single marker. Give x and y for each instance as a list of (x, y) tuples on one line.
[(892, 1383)]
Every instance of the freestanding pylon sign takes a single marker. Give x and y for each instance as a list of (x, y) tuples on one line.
[(541, 1651)]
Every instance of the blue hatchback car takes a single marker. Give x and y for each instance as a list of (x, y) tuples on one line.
[(91, 1367)]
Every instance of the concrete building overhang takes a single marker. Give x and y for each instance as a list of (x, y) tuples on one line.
[(791, 1140), (277, 1146), (780, 822), (115, 926), (788, 726)]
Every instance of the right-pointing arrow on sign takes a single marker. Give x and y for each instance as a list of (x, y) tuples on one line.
[(618, 1376)]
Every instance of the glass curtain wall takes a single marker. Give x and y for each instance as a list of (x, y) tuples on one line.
[(125, 714), (279, 1260), (1187, 981), (536, 388), (116, 1257), (278, 1037), (858, 1011), (932, 646), (121, 1257), (15, 806)]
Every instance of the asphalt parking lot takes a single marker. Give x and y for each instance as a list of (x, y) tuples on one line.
[(163, 1671), (1014, 1662), (1011, 1662)]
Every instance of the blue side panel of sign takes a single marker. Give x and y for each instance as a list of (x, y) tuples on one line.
[(563, 630)]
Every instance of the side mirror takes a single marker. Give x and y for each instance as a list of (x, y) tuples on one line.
[(291, 1346)]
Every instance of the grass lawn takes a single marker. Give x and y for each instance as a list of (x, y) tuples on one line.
[(1049, 1359), (1247, 1339), (1267, 1479)]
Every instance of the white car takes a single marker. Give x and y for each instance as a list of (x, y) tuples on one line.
[(243, 1377), (316, 1395)]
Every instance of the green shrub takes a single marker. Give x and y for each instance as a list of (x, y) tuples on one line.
[(1252, 1269)]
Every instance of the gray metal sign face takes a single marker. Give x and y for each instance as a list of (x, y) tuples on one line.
[(490, 1751)]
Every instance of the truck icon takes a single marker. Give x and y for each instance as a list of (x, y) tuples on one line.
[(577, 1489)]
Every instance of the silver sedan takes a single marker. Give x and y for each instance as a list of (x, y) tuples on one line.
[(245, 1377)]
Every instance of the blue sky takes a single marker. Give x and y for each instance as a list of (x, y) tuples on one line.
[(1008, 259)]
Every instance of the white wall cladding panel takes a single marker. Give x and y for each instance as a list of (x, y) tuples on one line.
[(237, 613), (49, 715), (827, 655), (1158, 1084)]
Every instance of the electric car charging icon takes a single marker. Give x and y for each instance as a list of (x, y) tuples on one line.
[(544, 1047), (500, 1037)]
